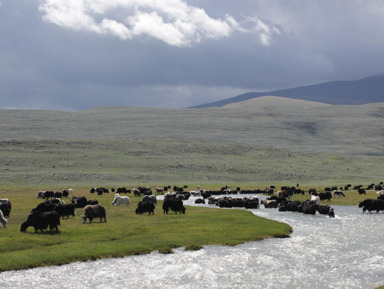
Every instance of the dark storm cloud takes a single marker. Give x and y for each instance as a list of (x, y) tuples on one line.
[(80, 54)]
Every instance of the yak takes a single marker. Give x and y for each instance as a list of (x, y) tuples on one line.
[(94, 211), (145, 207), (41, 221)]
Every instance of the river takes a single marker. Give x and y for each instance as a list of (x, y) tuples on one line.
[(344, 252)]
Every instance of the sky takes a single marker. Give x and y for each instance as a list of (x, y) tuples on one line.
[(78, 54)]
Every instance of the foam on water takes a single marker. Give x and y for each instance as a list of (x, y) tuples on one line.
[(344, 252)]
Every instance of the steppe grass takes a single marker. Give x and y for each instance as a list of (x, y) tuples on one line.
[(158, 162), (125, 233), (268, 121), (352, 198)]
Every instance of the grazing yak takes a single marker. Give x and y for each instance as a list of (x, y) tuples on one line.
[(55, 201), (174, 204), (150, 198), (58, 195), (65, 210), (312, 191), (80, 202), (5, 207), (40, 195), (159, 190), (362, 191), (41, 221), (99, 191), (145, 207), (325, 196), (3, 221), (46, 206), (66, 193), (120, 200), (92, 202), (380, 193), (94, 211), (338, 193), (121, 190), (371, 205), (45, 195)]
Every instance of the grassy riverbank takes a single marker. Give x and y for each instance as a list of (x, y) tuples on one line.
[(125, 233), (352, 198)]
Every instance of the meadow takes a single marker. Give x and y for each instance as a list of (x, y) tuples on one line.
[(261, 141), (125, 233), (252, 145), (60, 164)]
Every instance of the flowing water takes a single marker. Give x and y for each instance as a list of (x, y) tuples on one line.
[(344, 252)]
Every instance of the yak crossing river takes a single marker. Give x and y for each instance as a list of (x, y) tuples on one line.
[(342, 252)]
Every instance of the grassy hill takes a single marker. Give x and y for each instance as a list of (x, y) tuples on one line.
[(267, 121), (362, 91), (264, 140)]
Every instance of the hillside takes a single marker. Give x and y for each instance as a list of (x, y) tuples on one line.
[(363, 91), (266, 121), (263, 140)]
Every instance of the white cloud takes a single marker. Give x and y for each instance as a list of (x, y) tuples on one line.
[(172, 21), (248, 45), (152, 24), (265, 31), (70, 14), (115, 28)]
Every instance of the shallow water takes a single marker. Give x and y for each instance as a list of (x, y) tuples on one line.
[(344, 252)]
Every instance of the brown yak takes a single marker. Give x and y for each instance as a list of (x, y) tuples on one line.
[(94, 211)]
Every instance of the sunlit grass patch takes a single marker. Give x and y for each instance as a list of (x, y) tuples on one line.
[(125, 233)]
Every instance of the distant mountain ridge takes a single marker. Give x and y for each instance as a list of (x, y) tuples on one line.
[(356, 92)]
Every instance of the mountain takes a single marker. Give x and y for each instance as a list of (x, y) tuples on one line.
[(363, 91)]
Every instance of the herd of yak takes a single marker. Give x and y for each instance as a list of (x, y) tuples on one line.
[(49, 212)]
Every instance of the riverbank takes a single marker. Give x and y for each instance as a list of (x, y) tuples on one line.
[(322, 252), (124, 233)]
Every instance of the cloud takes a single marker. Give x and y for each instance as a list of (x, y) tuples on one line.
[(171, 21), (266, 32), (176, 53), (116, 28)]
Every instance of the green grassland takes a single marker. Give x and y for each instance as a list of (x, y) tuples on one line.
[(125, 232), (59, 164), (266, 140), (277, 122), (352, 198), (252, 145)]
